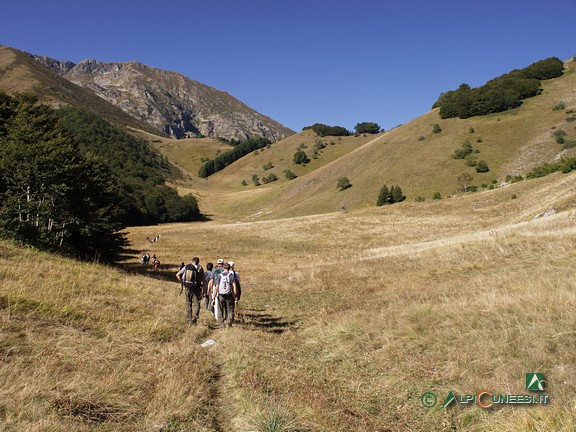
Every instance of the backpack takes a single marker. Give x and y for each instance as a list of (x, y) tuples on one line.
[(225, 287), (238, 287), (192, 276)]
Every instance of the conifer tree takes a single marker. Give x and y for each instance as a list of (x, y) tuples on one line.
[(383, 196)]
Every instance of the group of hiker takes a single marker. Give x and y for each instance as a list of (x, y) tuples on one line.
[(145, 259), (216, 289)]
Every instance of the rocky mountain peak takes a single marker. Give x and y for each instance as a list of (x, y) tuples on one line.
[(169, 101), (60, 67)]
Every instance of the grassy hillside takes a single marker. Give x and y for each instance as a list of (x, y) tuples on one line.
[(346, 320), (187, 154), (412, 156)]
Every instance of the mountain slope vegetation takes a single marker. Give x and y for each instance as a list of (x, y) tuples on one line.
[(412, 156), (69, 180)]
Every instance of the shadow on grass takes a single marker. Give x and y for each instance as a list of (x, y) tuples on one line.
[(259, 320)]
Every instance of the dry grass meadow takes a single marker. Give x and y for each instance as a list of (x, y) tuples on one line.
[(346, 320)]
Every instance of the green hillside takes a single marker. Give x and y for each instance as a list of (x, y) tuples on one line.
[(412, 156)]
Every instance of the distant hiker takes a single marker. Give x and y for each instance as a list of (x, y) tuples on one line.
[(206, 293), (156, 264), (191, 276), (145, 259), (225, 290)]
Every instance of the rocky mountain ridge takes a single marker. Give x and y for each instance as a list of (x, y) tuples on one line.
[(169, 101)]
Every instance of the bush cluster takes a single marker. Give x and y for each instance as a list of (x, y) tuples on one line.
[(499, 94), (390, 195), (325, 130), (367, 127), (564, 165)]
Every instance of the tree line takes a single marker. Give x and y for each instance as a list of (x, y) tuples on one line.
[(322, 130), (499, 94), (240, 149), (70, 181)]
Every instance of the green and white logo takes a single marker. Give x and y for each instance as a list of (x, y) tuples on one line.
[(449, 399), (535, 381)]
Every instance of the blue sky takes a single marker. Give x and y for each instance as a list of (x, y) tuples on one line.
[(306, 61)]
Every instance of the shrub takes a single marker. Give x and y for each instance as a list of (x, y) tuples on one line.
[(268, 166), (383, 196), (300, 157), (560, 136), (396, 194), (513, 178), (436, 196), (419, 198), (255, 180), (471, 160), (464, 151), (244, 183), (319, 145), (343, 183), (436, 129), (269, 178), (367, 127), (289, 174), (559, 106), (482, 167)]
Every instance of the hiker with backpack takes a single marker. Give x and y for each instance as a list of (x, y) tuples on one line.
[(237, 277), (214, 300), (225, 291), (191, 277), (206, 285)]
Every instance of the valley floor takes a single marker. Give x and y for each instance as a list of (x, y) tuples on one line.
[(346, 321)]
